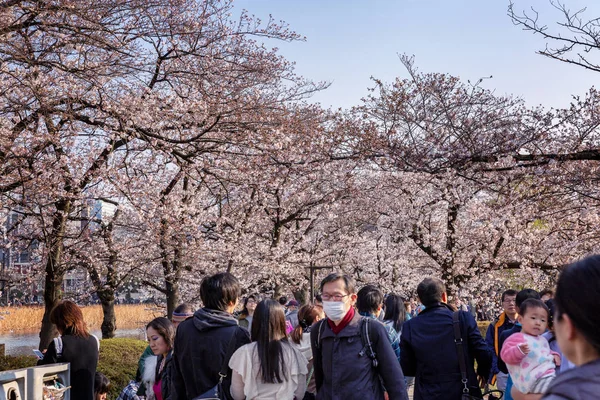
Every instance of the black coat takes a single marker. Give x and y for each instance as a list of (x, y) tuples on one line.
[(164, 376), (428, 352), (341, 373), (201, 343), (82, 354)]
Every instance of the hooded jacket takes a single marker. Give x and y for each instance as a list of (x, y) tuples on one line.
[(580, 383), (199, 352)]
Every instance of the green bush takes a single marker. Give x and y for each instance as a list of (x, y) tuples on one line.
[(16, 362), (118, 361)]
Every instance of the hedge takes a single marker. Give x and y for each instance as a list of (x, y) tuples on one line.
[(118, 361)]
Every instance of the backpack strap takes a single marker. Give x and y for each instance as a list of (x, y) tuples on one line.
[(458, 341), (365, 331), (58, 345), (320, 328)]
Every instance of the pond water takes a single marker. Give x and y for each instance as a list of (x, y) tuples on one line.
[(21, 343)]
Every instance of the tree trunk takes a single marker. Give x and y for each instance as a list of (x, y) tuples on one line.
[(277, 293), (109, 318), (172, 296), (52, 296), (302, 295), (55, 272)]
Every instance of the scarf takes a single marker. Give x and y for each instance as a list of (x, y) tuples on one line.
[(345, 321)]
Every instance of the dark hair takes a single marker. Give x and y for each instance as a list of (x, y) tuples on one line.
[(430, 291), (245, 312), (336, 276), (551, 310), (369, 299), (68, 318), (219, 290), (524, 295), (268, 331), (283, 300), (545, 292), (101, 383), (532, 303), (165, 328), (307, 315), (577, 295), (184, 308), (395, 311), (318, 298), (509, 292)]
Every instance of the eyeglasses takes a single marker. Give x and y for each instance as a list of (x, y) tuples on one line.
[(334, 297), (250, 301), (510, 301)]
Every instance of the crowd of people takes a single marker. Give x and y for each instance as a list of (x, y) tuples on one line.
[(356, 344)]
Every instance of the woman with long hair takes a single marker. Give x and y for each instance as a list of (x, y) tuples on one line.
[(75, 345), (269, 367), (307, 316), (161, 334), (247, 314), (395, 312)]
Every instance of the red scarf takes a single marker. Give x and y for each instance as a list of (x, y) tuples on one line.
[(345, 321)]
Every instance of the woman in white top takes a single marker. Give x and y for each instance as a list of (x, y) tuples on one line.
[(269, 367), (307, 316)]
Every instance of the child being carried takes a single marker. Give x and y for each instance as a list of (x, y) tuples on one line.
[(527, 354)]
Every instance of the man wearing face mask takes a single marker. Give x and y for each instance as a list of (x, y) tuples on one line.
[(343, 369)]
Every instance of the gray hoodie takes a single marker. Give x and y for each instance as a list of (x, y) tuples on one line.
[(582, 383)]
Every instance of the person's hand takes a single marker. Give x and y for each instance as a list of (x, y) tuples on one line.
[(524, 347), (386, 396), (557, 360), (516, 395)]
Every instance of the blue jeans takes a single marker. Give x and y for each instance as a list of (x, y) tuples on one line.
[(509, 385)]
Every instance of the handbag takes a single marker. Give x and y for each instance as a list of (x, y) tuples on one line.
[(463, 366), (217, 392)]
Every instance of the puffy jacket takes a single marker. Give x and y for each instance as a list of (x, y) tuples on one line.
[(428, 352), (201, 343), (581, 383), (344, 371)]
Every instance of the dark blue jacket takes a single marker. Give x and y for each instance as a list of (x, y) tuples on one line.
[(428, 352), (515, 329), (502, 324), (343, 370)]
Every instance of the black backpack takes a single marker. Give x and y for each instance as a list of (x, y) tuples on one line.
[(365, 329)]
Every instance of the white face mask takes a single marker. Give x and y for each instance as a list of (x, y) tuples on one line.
[(335, 310)]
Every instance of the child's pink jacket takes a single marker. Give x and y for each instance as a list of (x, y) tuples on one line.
[(526, 369)]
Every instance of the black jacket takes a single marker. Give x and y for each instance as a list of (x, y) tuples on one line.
[(428, 352), (343, 371), (515, 329), (201, 343), (82, 353), (581, 383), (164, 376)]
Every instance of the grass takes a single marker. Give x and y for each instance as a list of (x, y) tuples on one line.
[(118, 361), (28, 319)]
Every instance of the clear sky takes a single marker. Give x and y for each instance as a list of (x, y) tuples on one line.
[(350, 40)]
